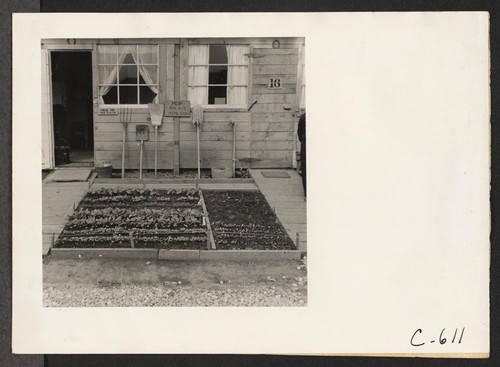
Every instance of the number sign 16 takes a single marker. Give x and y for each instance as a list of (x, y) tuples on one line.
[(274, 83)]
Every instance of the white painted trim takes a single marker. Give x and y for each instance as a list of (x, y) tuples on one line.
[(66, 47), (47, 113)]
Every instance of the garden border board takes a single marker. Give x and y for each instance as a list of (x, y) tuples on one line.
[(175, 254)]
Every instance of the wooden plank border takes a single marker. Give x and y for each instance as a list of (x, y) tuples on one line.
[(210, 235), (119, 181), (175, 254)]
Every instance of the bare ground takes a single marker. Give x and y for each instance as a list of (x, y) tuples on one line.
[(113, 282)]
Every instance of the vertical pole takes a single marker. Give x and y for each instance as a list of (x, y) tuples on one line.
[(140, 160), (234, 149), (124, 138), (156, 151), (198, 146)]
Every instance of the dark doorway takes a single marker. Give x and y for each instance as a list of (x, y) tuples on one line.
[(72, 108)]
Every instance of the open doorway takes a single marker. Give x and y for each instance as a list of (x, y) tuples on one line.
[(72, 108)]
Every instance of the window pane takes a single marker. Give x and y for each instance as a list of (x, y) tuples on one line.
[(125, 52), (146, 95), (148, 54), (218, 54), (106, 54), (197, 95), (217, 75), (198, 55), (148, 74), (238, 75), (110, 97), (217, 95), (128, 74), (107, 74), (128, 95)]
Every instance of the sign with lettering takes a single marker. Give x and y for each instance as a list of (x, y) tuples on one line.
[(274, 83), (178, 108), (108, 111)]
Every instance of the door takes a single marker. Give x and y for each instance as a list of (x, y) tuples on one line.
[(72, 107)]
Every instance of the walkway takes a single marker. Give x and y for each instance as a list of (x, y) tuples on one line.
[(286, 196), (58, 201)]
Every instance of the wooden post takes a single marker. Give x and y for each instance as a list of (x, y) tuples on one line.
[(210, 235), (177, 84), (132, 242), (182, 92)]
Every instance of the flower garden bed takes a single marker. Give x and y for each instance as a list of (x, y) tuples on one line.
[(136, 218), (175, 224), (243, 220)]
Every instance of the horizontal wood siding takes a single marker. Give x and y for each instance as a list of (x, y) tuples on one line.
[(108, 141), (216, 140), (273, 116)]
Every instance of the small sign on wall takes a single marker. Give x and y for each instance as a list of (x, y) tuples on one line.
[(274, 83), (142, 132), (108, 111), (178, 108)]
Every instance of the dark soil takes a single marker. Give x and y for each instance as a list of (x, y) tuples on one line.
[(244, 220)]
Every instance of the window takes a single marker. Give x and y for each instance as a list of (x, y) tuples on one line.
[(218, 75), (128, 74)]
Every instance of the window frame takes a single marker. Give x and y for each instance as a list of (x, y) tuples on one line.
[(118, 84), (226, 106)]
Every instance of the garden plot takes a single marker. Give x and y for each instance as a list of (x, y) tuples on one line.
[(140, 218), (180, 219), (243, 220)]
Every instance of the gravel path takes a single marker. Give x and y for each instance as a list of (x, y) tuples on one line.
[(144, 296)]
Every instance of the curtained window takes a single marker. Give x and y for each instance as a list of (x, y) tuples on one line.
[(218, 75), (128, 74)]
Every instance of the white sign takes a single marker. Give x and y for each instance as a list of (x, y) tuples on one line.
[(108, 111)]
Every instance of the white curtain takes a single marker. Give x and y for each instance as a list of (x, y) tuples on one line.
[(107, 54), (237, 74), (143, 71), (198, 74)]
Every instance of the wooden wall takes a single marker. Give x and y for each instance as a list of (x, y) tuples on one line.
[(108, 129), (108, 141), (216, 137), (273, 116), (264, 136)]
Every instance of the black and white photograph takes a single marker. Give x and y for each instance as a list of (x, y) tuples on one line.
[(165, 201), (174, 172)]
